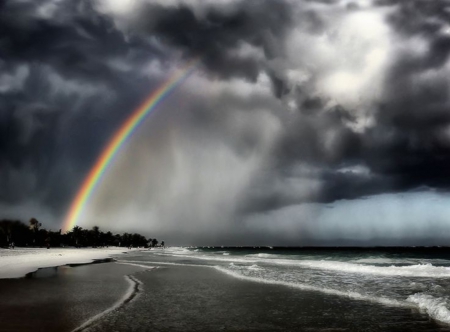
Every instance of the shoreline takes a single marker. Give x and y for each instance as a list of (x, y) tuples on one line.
[(199, 298), (65, 298), (122, 296), (132, 292), (19, 262), (98, 296)]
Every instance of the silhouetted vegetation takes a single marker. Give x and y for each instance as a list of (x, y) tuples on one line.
[(17, 233)]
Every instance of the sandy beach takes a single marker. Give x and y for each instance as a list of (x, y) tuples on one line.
[(18, 262), (146, 291), (59, 289), (61, 299)]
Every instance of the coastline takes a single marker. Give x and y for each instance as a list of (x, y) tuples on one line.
[(130, 295), (18, 262), (178, 296), (62, 289)]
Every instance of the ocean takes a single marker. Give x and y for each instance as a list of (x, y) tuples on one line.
[(379, 289)]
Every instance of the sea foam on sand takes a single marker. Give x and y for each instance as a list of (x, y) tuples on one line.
[(16, 263)]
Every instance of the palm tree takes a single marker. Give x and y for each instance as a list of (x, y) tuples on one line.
[(77, 231), (154, 242), (108, 239), (95, 235), (34, 227), (118, 240)]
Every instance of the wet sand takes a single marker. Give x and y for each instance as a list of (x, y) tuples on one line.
[(61, 299), (182, 298), (178, 298)]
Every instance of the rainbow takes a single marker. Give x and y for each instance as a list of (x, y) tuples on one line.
[(117, 141)]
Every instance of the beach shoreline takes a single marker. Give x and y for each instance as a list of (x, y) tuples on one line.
[(18, 262), (199, 298), (65, 298), (36, 283), (147, 291)]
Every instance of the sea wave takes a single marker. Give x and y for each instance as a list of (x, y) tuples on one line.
[(262, 255), (400, 262), (254, 267), (349, 294), (430, 298), (416, 270), (435, 307), (384, 261)]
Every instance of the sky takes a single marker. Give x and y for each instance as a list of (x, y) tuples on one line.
[(306, 122)]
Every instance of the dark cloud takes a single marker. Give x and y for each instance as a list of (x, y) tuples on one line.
[(417, 17), (408, 146), (217, 34), (60, 102), (410, 143), (69, 75)]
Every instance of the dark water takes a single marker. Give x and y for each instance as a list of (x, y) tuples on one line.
[(265, 289)]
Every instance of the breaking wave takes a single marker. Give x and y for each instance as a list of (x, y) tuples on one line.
[(434, 307)]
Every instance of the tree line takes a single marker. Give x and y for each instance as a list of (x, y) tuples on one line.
[(16, 233)]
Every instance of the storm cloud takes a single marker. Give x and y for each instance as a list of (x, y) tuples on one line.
[(296, 109)]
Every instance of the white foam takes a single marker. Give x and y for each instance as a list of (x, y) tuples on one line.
[(134, 264), (383, 261), (262, 255), (349, 294), (434, 307), (172, 251), (161, 263), (417, 270), (179, 250), (218, 258), (254, 267), (417, 285)]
